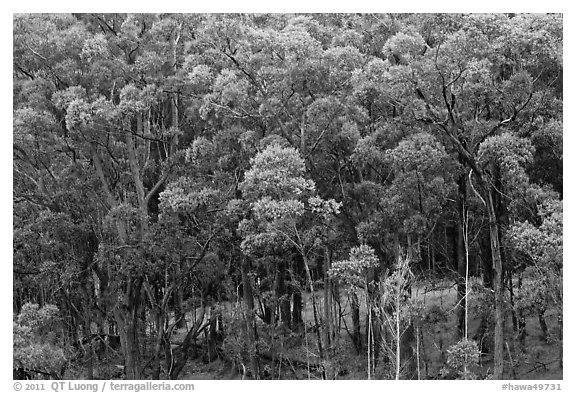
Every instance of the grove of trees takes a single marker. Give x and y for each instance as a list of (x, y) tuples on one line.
[(287, 196)]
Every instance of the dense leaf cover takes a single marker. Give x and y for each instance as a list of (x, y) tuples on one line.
[(271, 183)]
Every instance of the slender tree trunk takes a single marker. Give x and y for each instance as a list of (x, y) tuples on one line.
[(268, 311), (211, 338), (515, 320), (158, 346), (357, 338), (397, 337), (521, 318), (136, 175), (498, 292), (90, 247), (488, 282), (543, 324), (336, 313), (488, 189), (371, 307), (369, 337), (561, 333), (174, 98), (251, 332), (314, 310), (328, 298), (501, 208), (297, 309), (418, 352), (179, 315), (281, 293), (467, 273), (89, 352), (460, 253), (487, 265), (297, 322)]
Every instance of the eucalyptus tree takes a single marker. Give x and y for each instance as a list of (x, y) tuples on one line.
[(102, 92), (478, 78), (284, 208), (213, 149)]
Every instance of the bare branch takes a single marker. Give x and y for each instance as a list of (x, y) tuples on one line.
[(100, 172), (502, 123), (157, 186)]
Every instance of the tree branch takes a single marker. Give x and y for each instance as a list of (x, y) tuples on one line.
[(502, 123), (22, 70), (156, 186), (100, 20), (135, 169), (100, 172)]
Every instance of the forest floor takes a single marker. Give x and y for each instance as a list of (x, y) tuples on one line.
[(536, 359)]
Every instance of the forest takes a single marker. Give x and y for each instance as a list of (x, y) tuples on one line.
[(287, 196)]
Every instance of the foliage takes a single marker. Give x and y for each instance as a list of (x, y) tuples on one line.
[(38, 342), (463, 358), (276, 188), (166, 161), (542, 287), (354, 270)]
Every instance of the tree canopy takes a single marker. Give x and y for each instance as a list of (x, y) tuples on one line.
[(226, 187)]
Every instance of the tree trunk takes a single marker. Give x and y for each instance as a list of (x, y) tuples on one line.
[(561, 337), (460, 253), (174, 96), (129, 343), (488, 189), (211, 338), (397, 338), (251, 333), (181, 354), (356, 336), (314, 309), (89, 354), (407, 353), (487, 265), (498, 292), (297, 322), (281, 295), (371, 306), (543, 324), (158, 346), (297, 309), (504, 222), (179, 315), (515, 320), (521, 318), (126, 317), (329, 330)]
